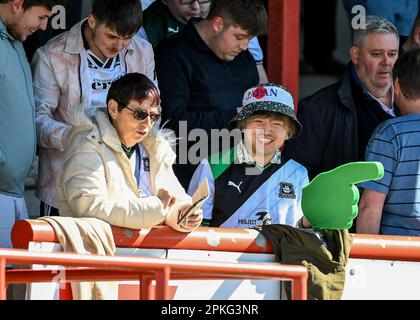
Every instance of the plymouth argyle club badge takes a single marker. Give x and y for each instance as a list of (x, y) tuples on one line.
[(287, 191)]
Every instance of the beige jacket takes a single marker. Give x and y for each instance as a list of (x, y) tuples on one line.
[(97, 180), (86, 236), (61, 82)]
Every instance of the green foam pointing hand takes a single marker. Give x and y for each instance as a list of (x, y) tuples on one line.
[(330, 200)]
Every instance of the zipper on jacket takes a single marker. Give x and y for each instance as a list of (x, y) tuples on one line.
[(80, 82), (125, 61), (33, 107)]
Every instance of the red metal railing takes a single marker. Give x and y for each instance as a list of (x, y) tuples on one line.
[(222, 239), (213, 239), (143, 269)]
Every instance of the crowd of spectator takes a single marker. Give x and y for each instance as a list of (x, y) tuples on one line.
[(123, 113)]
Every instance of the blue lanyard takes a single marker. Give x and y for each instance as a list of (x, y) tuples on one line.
[(137, 170)]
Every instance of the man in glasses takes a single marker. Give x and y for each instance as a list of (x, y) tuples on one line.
[(78, 67), (204, 70), (167, 17)]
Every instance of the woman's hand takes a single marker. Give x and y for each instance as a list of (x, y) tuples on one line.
[(166, 198), (193, 220)]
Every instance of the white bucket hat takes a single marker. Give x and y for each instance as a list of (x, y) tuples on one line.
[(268, 97)]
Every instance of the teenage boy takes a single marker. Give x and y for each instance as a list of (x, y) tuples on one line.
[(78, 67)]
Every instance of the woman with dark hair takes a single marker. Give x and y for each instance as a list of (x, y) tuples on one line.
[(118, 166)]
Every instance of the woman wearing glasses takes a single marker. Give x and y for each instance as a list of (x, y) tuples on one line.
[(118, 166)]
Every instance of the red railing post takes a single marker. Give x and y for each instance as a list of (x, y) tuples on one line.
[(147, 290), (162, 283), (299, 288), (122, 267), (3, 285)]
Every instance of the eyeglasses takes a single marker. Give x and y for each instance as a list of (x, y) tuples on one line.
[(140, 114), (190, 2)]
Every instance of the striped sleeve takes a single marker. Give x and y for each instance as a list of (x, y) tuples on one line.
[(382, 147)]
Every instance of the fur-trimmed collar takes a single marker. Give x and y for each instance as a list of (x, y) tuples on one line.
[(158, 142)]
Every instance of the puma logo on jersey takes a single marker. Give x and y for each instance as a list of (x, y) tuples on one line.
[(237, 186)]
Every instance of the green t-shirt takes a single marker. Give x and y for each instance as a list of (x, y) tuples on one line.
[(159, 23)]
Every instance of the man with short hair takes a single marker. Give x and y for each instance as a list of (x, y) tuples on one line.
[(204, 70), (78, 67), (392, 205), (340, 119), (167, 17), (18, 20)]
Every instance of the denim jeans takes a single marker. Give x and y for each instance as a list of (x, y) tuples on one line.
[(12, 209)]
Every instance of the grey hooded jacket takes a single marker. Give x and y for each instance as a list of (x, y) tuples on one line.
[(17, 125)]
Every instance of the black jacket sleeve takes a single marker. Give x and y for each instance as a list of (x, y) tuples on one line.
[(175, 81), (308, 148)]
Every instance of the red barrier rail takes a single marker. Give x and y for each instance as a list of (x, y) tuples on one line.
[(128, 267), (222, 239), (218, 239)]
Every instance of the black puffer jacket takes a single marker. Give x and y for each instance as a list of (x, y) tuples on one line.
[(337, 124)]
